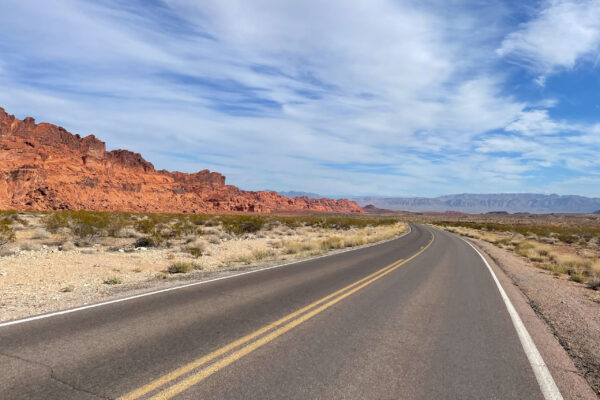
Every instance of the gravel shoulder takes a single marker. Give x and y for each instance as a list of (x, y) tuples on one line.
[(570, 310)]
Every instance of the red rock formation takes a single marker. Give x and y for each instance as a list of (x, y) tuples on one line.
[(44, 167)]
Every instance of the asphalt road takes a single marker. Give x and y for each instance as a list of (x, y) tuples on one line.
[(432, 325)]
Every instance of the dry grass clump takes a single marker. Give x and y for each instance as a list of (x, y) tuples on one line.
[(256, 255), (114, 280), (180, 267)]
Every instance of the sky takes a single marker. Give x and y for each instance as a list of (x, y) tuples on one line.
[(337, 97)]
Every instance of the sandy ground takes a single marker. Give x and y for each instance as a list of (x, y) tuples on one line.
[(570, 309), (37, 278)]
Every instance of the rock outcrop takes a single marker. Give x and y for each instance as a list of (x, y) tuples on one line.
[(44, 167)]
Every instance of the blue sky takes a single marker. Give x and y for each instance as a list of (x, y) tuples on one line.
[(343, 98)]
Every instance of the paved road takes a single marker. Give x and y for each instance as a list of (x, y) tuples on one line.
[(431, 325)]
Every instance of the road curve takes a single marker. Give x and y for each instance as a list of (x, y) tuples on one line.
[(418, 317)]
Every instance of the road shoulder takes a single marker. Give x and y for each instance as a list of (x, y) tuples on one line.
[(523, 288)]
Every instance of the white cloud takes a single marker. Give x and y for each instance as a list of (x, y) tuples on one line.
[(537, 122), (561, 34)]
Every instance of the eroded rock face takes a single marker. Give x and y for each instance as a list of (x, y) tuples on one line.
[(44, 167)]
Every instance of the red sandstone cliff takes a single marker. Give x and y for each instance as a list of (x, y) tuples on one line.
[(44, 167)]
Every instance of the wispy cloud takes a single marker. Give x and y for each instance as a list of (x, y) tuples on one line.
[(562, 33), (367, 97)]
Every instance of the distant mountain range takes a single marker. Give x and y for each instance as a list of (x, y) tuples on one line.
[(293, 193), (483, 203)]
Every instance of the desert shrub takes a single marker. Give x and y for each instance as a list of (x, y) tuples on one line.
[(242, 224), (214, 240), (199, 219), (502, 242), (523, 248), (195, 251), (292, 247), (569, 239), (161, 276), (183, 228), (114, 280), (180, 267), (86, 224), (67, 289), (7, 233), (355, 240), (594, 282), (40, 234), (144, 242), (577, 278), (573, 264), (118, 224), (8, 213), (145, 225), (262, 254), (56, 220), (66, 246), (246, 259), (332, 242), (29, 246)]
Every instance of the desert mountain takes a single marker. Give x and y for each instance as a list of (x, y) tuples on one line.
[(44, 167), (482, 203), (293, 193)]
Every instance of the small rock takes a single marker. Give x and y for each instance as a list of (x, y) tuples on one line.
[(44, 246), (97, 265), (121, 250)]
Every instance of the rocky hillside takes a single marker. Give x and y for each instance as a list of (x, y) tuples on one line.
[(44, 167), (482, 203)]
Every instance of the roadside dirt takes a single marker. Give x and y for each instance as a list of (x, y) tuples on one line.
[(570, 309)]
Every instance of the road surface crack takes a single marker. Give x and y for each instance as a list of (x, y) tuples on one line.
[(53, 375)]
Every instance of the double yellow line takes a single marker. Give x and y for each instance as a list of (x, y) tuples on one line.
[(283, 325)]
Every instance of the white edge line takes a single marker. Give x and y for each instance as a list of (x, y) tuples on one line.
[(104, 303), (540, 369)]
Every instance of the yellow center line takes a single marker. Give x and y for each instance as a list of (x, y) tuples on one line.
[(204, 373)]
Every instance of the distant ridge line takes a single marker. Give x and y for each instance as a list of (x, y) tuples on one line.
[(483, 203)]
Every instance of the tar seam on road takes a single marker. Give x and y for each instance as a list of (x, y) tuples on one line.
[(540, 369), (317, 307), (105, 303)]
